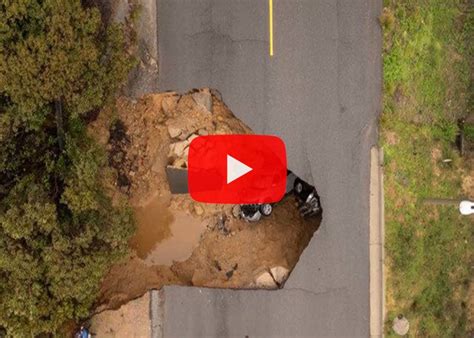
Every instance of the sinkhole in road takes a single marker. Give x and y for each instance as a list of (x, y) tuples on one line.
[(177, 240)]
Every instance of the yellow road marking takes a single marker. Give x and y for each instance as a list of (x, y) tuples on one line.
[(270, 16)]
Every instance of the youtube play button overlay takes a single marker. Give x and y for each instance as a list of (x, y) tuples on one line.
[(237, 169)]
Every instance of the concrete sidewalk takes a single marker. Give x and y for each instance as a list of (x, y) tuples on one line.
[(376, 244)]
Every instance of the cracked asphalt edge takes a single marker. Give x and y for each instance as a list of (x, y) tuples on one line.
[(376, 244), (317, 293), (156, 312)]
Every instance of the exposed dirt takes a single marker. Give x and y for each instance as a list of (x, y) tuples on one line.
[(179, 241), (392, 138), (131, 320), (236, 260), (436, 157)]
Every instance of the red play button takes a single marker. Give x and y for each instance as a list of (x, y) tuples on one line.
[(237, 169)]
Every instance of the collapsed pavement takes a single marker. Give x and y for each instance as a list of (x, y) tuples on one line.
[(142, 138)]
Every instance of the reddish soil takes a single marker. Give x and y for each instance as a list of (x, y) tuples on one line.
[(152, 134)]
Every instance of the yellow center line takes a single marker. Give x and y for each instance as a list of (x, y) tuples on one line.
[(270, 19)]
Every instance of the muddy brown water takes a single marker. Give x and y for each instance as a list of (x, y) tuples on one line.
[(163, 236)]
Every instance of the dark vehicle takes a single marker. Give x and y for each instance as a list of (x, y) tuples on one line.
[(307, 197), (253, 212)]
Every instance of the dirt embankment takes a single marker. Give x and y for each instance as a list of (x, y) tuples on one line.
[(179, 241)]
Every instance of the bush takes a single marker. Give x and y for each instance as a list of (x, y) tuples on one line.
[(51, 50), (59, 231)]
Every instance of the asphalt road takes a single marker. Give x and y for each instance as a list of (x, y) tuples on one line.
[(320, 92)]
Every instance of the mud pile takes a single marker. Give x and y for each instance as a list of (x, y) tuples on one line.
[(179, 241)]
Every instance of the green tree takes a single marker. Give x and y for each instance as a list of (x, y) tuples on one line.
[(59, 231), (56, 49), (54, 254)]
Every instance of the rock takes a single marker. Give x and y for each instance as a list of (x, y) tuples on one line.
[(168, 104), (177, 149), (203, 99), (174, 131), (184, 134), (180, 163), (203, 132), (280, 274), (198, 210), (236, 211), (265, 281)]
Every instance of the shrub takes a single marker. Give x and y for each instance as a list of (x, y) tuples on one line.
[(59, 231)]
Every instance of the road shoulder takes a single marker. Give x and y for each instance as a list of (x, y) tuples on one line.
[(376, 243)]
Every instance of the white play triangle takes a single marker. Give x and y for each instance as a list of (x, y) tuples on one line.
[(236, 169)]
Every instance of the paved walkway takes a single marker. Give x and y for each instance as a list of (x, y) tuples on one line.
[(376, 242)]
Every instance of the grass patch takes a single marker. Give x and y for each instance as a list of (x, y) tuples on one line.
[(427, 53), (469, 133)]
